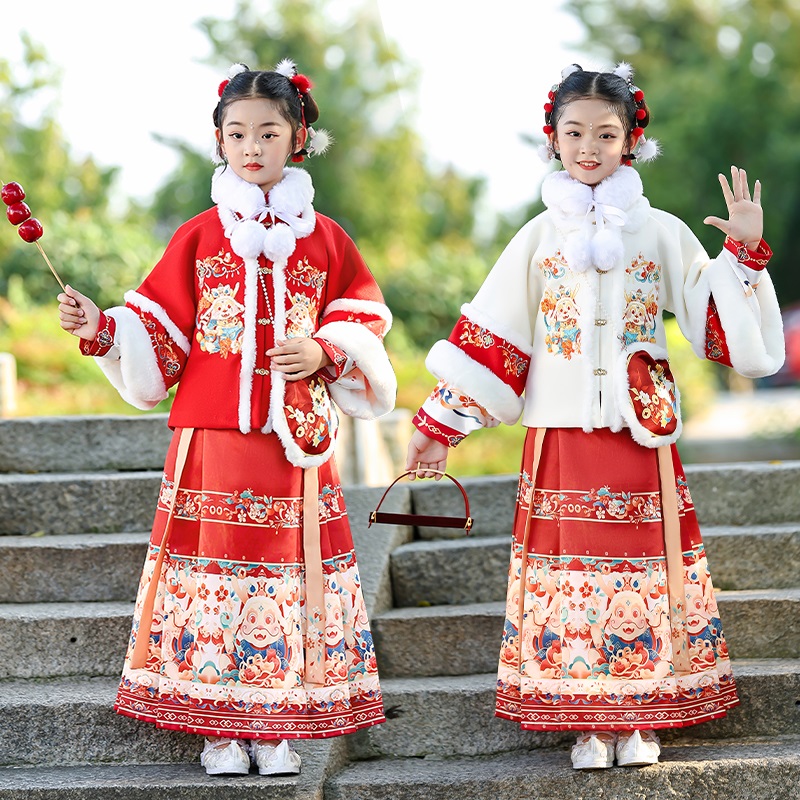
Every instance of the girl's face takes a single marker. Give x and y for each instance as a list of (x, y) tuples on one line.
[(591, 140), (256, 140)]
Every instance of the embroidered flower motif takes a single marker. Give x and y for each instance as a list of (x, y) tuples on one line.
[(475, 335)]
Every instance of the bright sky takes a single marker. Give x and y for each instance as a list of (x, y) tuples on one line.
[(131, 70)]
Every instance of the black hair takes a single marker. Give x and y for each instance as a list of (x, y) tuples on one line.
[(298, 109), (615, 90)]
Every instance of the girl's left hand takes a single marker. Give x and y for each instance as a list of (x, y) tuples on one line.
[(298, 358), (745, 221)]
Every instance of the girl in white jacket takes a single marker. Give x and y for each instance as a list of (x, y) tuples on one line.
[(611, 625)]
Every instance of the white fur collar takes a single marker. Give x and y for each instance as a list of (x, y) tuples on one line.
[(592, 219), (242, 207)]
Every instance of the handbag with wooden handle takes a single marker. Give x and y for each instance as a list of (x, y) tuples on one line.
[(423, 520)]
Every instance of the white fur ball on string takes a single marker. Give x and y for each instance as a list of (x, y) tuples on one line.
[(247, 238), (236, 69), (648, 150), (607, 249), (319, 141), (279, 242)]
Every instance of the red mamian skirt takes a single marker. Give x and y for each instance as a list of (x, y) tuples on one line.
[(611, 637), (229, 640)]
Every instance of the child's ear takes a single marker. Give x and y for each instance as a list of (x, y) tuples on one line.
[(300, 138), (220, 148)]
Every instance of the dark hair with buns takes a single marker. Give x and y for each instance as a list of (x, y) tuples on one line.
[(615, 90), (299, 110)]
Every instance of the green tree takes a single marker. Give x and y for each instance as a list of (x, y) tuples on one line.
[(98, 254), (722, 80)]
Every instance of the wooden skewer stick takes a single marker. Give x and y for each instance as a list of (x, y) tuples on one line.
[(52, 268)]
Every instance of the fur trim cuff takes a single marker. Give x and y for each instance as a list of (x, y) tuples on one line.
[(757, 347), (146, 304), (373, 396), (448, 363), (135, 375)]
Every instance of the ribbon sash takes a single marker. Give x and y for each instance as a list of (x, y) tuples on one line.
[(142, 645)]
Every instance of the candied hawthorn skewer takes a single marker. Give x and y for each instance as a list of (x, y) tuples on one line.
[(30, 229)]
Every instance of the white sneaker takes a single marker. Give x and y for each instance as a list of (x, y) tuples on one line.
[(274, 760), (225, 757), (638, 748), (593, 751)]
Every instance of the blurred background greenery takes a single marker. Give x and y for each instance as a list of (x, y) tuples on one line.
[(722, 78)]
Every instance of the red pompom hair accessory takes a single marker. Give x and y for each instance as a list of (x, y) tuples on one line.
[(302, 83), (222, 87)]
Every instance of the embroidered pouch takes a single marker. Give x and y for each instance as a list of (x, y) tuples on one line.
[(310, 415), (647, 395)]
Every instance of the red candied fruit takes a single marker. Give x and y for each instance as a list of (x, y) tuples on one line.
[(31, 230), (18, 213), (12, 193)]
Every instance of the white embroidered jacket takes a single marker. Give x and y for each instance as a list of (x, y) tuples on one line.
[(579, 289)]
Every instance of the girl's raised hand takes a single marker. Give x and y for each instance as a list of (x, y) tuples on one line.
[(298, 358), (425, 454), (745, 221), (78, 314)]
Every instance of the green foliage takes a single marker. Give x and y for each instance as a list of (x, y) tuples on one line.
[(722, 80), (95, 252), (53, 377), (99, 258)]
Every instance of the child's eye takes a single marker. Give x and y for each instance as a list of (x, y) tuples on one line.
[(269, 135), (235, 135)]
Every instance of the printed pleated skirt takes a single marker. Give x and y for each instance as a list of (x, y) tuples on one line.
[(234, 647), (611, 620)]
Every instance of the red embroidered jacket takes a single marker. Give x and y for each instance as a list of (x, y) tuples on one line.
[(205, 317)]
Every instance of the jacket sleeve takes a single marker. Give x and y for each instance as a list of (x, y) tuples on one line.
[(725, 306), (146, 341), (353, 324), (488, 353)]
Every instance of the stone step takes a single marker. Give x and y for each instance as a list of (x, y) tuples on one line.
[(67, 722), (80, 502), (461, 640), (87, 567), (737, 770), (474, 569), (70, 639), (454, 716), (724, 494), (145, 782), (84, 443)]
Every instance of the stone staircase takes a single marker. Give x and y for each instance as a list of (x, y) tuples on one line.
[(438, 648), (76, 502), (77, 497)]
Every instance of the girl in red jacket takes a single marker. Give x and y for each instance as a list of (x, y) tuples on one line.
[(250, 626)]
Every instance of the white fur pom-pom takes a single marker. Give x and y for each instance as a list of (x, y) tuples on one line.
[(648, 150), (287, 68), (247, 238), (235, 70), (577, 252), (567, 71), (545, 152), (607, 249), (624, 70), (279, 242), (321, 140)]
